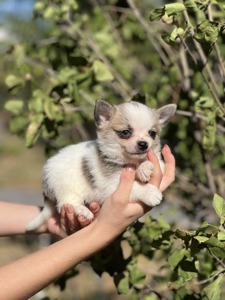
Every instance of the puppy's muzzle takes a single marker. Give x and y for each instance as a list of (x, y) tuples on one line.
[(142, 145)]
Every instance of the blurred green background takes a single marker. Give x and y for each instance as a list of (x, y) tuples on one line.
[(57, 58)]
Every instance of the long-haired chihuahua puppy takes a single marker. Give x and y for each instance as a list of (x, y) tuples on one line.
[(90, 171)]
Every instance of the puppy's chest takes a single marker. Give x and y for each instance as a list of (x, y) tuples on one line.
[(99, 173)]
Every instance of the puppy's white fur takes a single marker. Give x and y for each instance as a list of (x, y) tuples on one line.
[(90, 171)]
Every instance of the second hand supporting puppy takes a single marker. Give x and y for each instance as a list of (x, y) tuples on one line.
[(90, 171)]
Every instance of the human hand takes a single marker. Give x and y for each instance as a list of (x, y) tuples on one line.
[(117, 213), (159, 179), (67, 222)]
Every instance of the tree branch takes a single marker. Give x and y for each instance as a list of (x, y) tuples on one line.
[(145, 25)]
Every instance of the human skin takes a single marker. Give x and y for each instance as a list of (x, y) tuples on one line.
[(25, 277), (60, 225)]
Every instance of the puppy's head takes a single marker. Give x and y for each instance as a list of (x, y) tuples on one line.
[(127, 131)]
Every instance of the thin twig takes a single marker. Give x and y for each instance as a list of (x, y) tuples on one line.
[(110, 21), (211, 181), (100, 55), (125, 87), (216, 45), (211, 90), (31, 61), (148, 32), (47, 41), (185, 68), (216, 258), (117, 9), (210, 279), (199, 116), (87, 97), (201, 54)]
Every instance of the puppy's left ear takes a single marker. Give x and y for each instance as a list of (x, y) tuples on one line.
[(166, 113), (103, 113)]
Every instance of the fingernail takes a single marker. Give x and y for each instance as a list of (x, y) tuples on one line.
[(130, 168), (69, 209), (166, 147), (93, 205)]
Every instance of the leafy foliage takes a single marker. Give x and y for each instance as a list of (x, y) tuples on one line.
[(110, 50)]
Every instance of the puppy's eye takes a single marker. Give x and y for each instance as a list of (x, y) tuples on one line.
[(124, 134), (152, 134)]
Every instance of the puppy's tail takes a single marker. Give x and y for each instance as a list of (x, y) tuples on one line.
[(42, 217)]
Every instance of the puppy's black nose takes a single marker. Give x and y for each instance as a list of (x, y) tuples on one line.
[(142, 145)]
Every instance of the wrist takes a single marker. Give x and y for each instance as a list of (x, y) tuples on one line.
[(105, 232)]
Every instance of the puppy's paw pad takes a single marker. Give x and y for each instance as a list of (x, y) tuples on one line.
[(82, 210), (144, 171)]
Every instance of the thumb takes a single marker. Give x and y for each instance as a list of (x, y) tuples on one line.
[(127, 177)]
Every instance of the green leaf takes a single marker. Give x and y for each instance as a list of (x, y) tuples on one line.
[(15, 106), (51, 109), (221, 236), (208, 31), (206, 106), (169, 10), (163, 223), (137, 276), (201, 239), (36, 102), (214, 242), (74, 4), (176, 34), (184, 234), (174, 8), (101, 71), (191, 5), (122, 284), (187, 271), (13, 82), (210, 132), (212, 291), (176, 257), (150, 297), (219, 205), (218, 252), (204, 103), (33, 129), (134, 296), (157, 13), (18, 124)]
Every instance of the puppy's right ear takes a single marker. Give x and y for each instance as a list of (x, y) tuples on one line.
[(103, 113)]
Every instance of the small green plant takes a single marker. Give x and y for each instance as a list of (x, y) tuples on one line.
[(188, 264)]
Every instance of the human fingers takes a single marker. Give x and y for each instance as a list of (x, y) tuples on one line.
[(169, 171), (68, 219), (95, 209), (156, 176), (126, 181)]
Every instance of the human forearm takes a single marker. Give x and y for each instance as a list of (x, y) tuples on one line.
[(19, 215), (32, 273), (28, 275)]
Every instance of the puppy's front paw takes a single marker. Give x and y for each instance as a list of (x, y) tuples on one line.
[(82, 210), (144, 171), (154, 196), (146, 193), (151, 195)]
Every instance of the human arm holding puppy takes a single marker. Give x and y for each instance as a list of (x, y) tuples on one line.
[(32, 273), (60, 225)]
